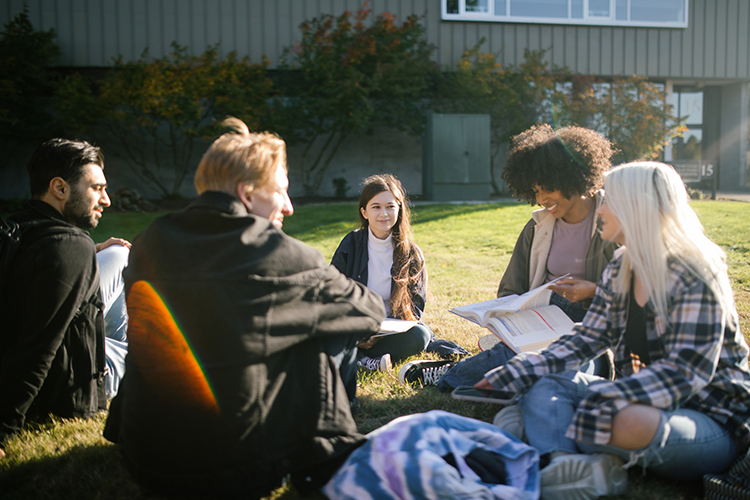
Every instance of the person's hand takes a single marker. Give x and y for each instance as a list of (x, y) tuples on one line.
[(483, 384), (367, 344), (2, 453), (112, 241), (574, 290)]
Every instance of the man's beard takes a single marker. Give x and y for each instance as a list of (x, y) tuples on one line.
[(78, 212)]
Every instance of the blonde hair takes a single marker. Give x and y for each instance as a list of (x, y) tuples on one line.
[(651, 203), (239, 156)]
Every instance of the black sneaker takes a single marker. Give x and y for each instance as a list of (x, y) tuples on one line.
[(423, 372)]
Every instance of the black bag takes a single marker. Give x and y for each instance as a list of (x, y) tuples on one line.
[(10, 242)]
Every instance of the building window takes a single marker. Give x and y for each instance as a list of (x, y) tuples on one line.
[(688, 104), (661, 13)]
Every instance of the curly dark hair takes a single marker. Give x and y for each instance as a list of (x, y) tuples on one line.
[(572, 160)]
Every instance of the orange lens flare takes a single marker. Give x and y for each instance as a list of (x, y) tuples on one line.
[(162, 354)]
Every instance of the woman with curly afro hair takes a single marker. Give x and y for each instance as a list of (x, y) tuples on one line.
[(563, 172)]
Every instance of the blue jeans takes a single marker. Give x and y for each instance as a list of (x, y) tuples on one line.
[(401, 345), (112, 260), (343, 350), (574, 310), (687, 443), (471, 370)]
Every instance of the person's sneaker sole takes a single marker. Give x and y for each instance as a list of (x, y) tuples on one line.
[(385, 363), (583, 477), (510, 419)]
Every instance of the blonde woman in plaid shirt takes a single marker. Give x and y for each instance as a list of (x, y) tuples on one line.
[(680, 404)]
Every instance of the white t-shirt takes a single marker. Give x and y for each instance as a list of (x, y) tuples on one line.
[(379, 263)]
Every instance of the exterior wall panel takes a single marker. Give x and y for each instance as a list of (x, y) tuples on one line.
[(720, 37), (731, 38), (743, 18), (715, 44)]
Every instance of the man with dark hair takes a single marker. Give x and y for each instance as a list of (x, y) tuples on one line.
[(242, 339), (53, 357)]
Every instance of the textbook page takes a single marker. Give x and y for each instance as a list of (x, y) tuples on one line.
[(391, 326), (481, 312), (531, 329)]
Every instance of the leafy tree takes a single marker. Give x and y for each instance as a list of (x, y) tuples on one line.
[(26, 82), (156, 111), (631, 112), (354, 76), (513, 97)]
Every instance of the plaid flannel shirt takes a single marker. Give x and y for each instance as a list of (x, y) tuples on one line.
[(695, 363)]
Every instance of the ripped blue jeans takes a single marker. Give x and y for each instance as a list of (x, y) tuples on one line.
[(687, 444)]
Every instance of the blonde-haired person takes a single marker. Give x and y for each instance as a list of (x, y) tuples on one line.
[(243, 339), (680, 404), (383, 256)]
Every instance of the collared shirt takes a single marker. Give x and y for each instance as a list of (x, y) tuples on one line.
[(698, 362)]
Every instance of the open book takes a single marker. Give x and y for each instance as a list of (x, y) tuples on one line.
[(531, 329), (391, 326), (523, 322), (481, 312)]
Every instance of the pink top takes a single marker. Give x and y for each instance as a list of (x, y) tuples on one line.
[(570, 242)]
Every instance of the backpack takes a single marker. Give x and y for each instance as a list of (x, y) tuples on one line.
[(10, 242)]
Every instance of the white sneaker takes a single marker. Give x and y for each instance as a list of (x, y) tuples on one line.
[(510, 420), (423, 372), (583, 477), (382, 363)]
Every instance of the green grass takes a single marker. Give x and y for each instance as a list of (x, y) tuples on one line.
[(466, 247)]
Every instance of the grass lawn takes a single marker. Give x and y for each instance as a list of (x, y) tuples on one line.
[(466, 247)]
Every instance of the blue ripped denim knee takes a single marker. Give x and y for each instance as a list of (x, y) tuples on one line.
[(687, 443)]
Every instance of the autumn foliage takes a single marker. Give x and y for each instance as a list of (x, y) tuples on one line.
[(157, 112), (356, 73)]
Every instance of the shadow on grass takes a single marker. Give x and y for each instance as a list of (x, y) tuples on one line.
[(83, 472)]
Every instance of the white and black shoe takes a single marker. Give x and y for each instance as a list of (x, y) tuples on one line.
[(379, 364), (423, 372)]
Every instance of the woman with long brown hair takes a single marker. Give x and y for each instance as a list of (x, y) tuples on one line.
[(383, 256)]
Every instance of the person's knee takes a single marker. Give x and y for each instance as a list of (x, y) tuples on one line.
[(635, 426), (422, 335), (115, 253)]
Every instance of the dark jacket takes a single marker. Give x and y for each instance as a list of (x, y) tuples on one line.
[(227, 389), (351, 259), (52, 336)]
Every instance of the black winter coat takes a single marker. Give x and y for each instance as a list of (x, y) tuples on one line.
[(52, 334), (227, 389)]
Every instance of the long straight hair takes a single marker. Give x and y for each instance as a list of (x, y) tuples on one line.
[(650, 201), (407, 260)]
